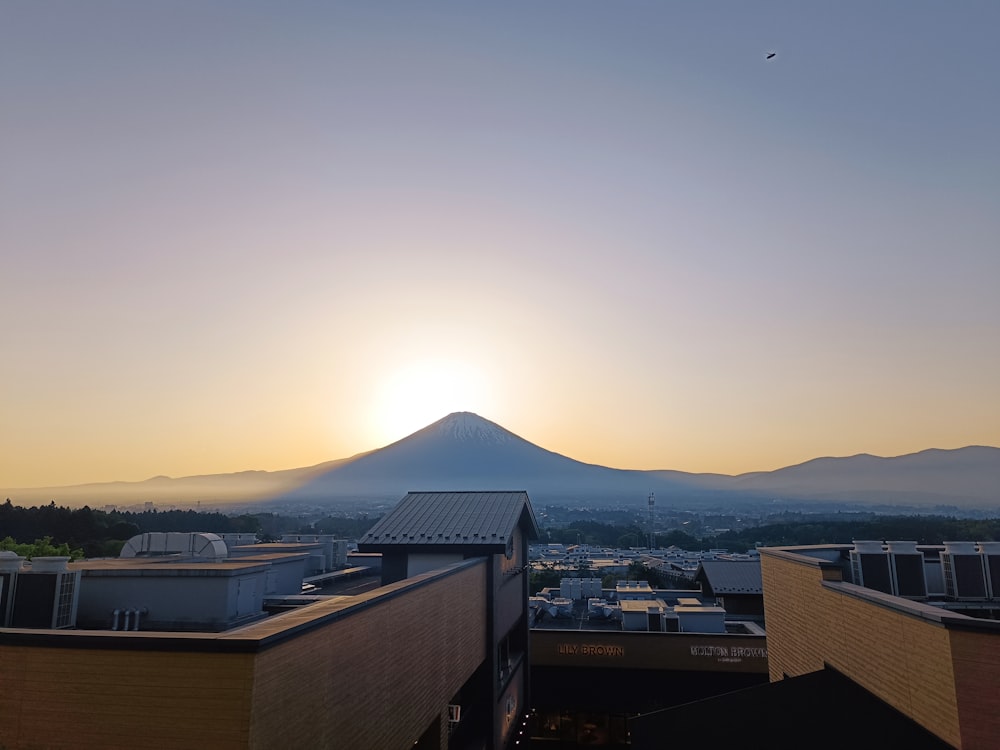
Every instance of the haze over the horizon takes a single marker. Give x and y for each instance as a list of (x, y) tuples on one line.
[(247, 235)]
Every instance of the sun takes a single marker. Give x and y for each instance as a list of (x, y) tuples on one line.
[(423, 392)]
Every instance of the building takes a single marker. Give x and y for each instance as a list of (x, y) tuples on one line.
[(601, 657), (428, 530), (433, 658), (870, 644), (735, 584)]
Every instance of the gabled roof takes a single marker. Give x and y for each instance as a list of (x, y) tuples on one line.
[(453, 519), (731, 576)]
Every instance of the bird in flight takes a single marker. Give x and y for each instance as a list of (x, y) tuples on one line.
[(770, 55)]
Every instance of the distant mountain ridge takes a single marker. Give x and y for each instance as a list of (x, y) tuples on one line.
[(965, 475), (464, 451)]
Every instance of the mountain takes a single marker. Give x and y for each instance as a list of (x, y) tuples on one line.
[(464, 451), (967, 476), (241, 486)]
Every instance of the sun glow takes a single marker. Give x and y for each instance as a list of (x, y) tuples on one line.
[(423, 392)]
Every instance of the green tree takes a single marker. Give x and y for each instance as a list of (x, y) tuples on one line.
[(40, 548), (628, 540), (682, 540), (542, 578), (637, 571)]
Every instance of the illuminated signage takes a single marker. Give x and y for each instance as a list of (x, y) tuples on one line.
[(730, 653), (590, 649)]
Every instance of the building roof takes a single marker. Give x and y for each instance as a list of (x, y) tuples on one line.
[(453, 519), (642, 605), (165, 566), (731, 576)]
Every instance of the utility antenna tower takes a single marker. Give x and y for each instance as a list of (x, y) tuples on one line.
[(652, 502)]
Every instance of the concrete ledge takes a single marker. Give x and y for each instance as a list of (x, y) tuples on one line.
[(920, 610)]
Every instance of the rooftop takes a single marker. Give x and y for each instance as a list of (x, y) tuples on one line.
[(732, 576), (452, 519), (846, 575)]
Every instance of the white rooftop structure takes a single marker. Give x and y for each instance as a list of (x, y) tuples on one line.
[(195, 544)]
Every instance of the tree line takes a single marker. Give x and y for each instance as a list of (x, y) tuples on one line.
[(86, 532), (98, 533), (921, 529)]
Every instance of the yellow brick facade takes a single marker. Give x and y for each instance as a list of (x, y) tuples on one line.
[(379, 682), (372, 671), (75, 699), (945, 678)]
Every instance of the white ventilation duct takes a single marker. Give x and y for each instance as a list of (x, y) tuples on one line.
[(196, 544)]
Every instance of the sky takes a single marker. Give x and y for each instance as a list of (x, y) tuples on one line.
[(256, 235)]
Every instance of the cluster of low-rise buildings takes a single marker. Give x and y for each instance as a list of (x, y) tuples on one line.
[(617, 561), (194, 638)]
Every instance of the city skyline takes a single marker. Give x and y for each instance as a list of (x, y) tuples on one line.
[(237, 236)]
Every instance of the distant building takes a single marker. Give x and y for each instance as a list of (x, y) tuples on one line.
[(601, 657), (735, 584)]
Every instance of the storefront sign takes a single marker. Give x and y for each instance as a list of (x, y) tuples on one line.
[(590, 649), (729, 653)]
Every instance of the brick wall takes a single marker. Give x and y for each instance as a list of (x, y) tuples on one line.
[(372, 671), (976, 660), (904, 660), (377, 679), (77, 699)]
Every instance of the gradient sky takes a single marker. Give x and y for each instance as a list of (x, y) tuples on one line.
[(258, 235)]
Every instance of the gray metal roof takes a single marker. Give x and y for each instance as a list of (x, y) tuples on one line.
[(453, 518), (732, 576)]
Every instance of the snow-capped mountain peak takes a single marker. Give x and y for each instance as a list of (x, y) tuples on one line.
[(467, 427)]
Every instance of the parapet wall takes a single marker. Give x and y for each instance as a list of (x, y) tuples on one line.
[(373, 670), (923, 661)]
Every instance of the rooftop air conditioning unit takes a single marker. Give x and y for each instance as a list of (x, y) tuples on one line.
[(10, 568), (907, 567), (964, 571), (45, 595), (870, 566), (991, 554)]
